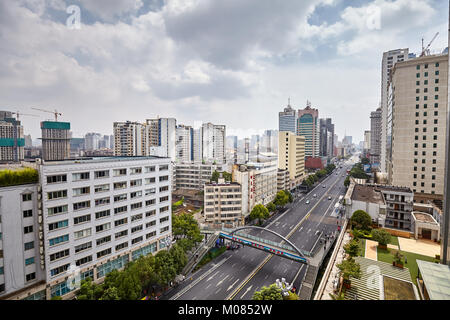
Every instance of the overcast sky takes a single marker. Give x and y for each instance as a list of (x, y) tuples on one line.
[(232, 62)]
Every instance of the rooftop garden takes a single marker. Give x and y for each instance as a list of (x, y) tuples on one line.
[(18, 177)]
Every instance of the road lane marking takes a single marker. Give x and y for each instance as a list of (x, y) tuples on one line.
[(232, 285)]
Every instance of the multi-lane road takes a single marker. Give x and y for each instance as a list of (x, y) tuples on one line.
[(238, 274)]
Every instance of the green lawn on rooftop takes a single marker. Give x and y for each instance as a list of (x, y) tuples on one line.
[(394, 240), (388, 256)]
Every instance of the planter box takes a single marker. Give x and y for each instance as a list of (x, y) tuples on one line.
[(398, 265), (382, 246)]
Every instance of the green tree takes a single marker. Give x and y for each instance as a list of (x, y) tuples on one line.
[(291, 296), (361, 220), (272, 292), (179, 257), (111, 293), (129, 286), (352, 248), (281, 199), (185, 226), (164, 267), (350, 268), (259, 212), (271, 207), (289, 195), (215, 176), (347, 181), (89, 290), (365, 161), (382, 236)]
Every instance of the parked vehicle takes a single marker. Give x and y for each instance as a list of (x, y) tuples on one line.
[(307, 202)]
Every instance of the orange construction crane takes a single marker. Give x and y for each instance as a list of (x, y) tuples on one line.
[(56, 113), (426, 50)]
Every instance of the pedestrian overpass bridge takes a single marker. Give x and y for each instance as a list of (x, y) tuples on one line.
[(285, 248)]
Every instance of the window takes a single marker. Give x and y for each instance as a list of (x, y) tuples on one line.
[(27, 213), (150, 213), (164, 167), (83, 247), (120, 197), (165, 229), (120, 209), (103, 240), (137, 240), (57, 179), (151, 234), (29, 245), (120, 222), (82, 233), (102, 201), (136, 229), (136, 205), (436, 105), (165, 188), (27, 197), (150, 169), (59, 255), (163, 199), (150, 224), (59, 270), (164, 219), (121, 234), (103, 227), (58, 225), (135, 170), (136, 183), (82, 219), (150, 191), (58, 240), (136, 194), (29, 261), (437, 65), (121, 246), (57, 210), (101, 174), (120, 172), (30, 276), (84, 260), (164, 209), (101, 188), (150, 202), (103, 253), (80, 176), (28, 229), (57, 194), (81, 191), (120, 185), (150, 180), (436, 72), (163, 178), (81, 205), (136, 217), (102, 214)]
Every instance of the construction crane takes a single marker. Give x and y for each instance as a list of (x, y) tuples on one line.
[(426, 51), (18, 114), (56, 113)]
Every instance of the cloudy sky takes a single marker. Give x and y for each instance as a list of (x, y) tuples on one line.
[(233, 62)]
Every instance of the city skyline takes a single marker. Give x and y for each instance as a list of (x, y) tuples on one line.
[(164, 63)]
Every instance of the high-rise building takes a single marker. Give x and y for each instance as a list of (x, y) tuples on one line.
[(213, 143), (419, 103), (287, 120), (162, 133), (326, 138), (291, 156), (184, 144), (55, 140), (92, 141), (308, 126), (375, 136), (390, 58), (269, 141), (366, 144), (12, 141), (129, 139)]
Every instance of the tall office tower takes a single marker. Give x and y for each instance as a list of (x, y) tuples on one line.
[(231, 147), (309, 127), (390, 58), (55, 140), (12, 141), (287, 120), (246, 150), (28, 141), (291, 156), (162, 133), (326, 138), (366, 146), (213, 142), (104, 142), (419, 112), (198, 145), (269, 141), (184, 144), (92, 141), (101, 213), (129, 139), (375, 137)]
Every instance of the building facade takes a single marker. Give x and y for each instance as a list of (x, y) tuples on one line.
[(287, 120), (194, 175), (375, 137), (291, 156), (12, 139), (308, 126)]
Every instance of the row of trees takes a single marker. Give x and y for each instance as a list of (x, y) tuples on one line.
[(313, 178), (262, 212), (216, 174), (356, 172), (17, 177), (141, 276)]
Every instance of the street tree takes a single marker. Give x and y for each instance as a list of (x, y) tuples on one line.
[(272, 292), (259, 212)]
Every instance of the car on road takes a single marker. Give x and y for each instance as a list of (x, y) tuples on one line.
[(315, 195), (307, 202), (329, 198), (324, 186)]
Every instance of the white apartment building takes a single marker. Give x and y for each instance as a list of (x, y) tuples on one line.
[(129, 139), (223, 204), (162, 132), (291, 156), (184, 144), (194, 175), (213, 142), (418, 104), (258, 182), (99, 214), (21, 265), (390, 58)]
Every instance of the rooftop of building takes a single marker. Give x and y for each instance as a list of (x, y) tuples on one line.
[(392, 188), (423, 217), (101, 159), (367, 193), (436, 278)]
